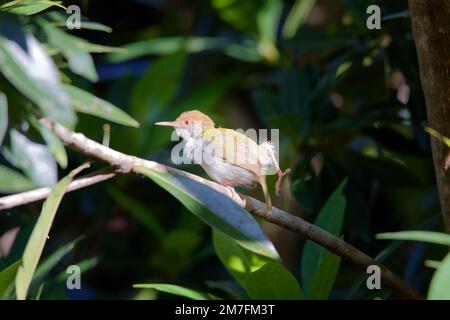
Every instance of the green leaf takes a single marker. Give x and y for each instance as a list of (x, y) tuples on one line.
[(216, 210), (273, 282), (35, 159), (80, 61), (439, 288), (88, 25), (425, 236), (12, 181), (7, 277), (178, 290), (149, 98), (239, 261), (3, 116), (39, 235), (149, 93), (53, 142), (267, 19), (330, 218), (165, 46), (323, 279), (139, 211), (86, 102), (29, 68), (50, 262), (29, 7), (439, 136), (297, 17)]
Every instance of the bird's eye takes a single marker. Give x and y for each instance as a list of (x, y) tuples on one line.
[(186, 122)]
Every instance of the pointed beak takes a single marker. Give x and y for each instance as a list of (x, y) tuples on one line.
[(168, 124)]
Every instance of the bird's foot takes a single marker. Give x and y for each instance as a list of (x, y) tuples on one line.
[(281, 174)]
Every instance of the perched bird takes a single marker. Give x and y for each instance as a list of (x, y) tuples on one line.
[(228, 156)]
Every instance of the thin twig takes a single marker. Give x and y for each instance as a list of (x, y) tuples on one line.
[(26, 197), (126, 163)]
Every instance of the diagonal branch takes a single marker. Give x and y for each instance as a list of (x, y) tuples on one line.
[(126, 163), (26, 197)]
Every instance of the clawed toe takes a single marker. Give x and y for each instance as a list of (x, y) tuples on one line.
[(281, 174)]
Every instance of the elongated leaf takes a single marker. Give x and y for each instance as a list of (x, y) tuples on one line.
[(267, 18), (239, 261), (217, 210), (439, 136), (86, 102), (3, 116), (273, 282), (439, 288), (12, 181), (50, 262), (7, 277), (29, 7), (35, 159), (164, 46), (29, 68), (80, 61), (323, 280), (330, 218), (157, 87), (35, 245), (53, 142), (297, 17), (425, 236), (88, 25), (178, 290), (152, 94)]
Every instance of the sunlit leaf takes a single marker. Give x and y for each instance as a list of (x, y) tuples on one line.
[(425, 236), (28, 67), (439, 136), (36, 242), (239, 261), (35, 159), (80, 61), (53, 142), (297, 17), (86, 102), (267, 18), (178, 290), (29, 7), (439, 288), (273, 282), (217, 210)]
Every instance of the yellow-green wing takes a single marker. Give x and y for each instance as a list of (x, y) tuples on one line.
[(235, 148)]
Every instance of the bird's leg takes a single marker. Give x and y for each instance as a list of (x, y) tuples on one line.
[(280, 173)]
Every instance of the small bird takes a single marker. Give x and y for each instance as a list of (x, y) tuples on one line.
[(228, 156)]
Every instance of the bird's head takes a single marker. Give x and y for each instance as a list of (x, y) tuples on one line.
[(189, 124)]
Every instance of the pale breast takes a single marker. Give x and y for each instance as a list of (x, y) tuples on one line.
[(228, 174)]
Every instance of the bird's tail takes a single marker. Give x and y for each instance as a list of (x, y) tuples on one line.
[(262, 182)]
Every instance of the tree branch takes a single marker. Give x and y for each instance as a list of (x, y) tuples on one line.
[(430, 25), (22, 198), (126, 163)]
